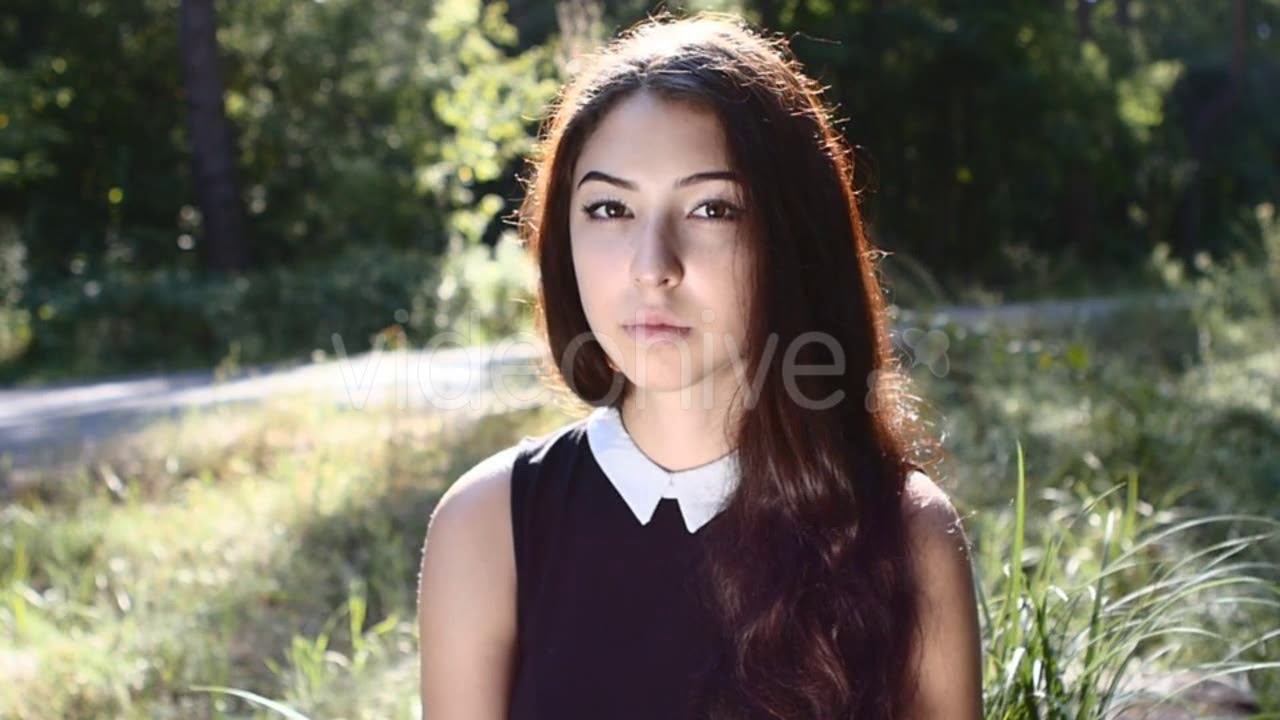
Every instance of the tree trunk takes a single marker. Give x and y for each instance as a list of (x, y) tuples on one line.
[(1124, 15), (534, 21), (1084, 19), (770, 15), (212, 150), (1207, 123)]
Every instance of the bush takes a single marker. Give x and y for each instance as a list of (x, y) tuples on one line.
[(167, 320)]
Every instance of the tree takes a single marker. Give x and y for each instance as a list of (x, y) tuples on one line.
[(212, 154)]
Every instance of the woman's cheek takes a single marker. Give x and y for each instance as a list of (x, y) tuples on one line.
[(596, 287)]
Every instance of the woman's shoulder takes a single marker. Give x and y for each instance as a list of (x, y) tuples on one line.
[(932, 518), (484, 491), (471, 516), (482, 488), (923, 494)]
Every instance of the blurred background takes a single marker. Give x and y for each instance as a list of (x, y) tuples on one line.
[(233, 235)]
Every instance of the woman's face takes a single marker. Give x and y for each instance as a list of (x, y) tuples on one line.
[(658, 235)]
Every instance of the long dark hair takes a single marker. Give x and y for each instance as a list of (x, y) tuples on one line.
[(810, 570)]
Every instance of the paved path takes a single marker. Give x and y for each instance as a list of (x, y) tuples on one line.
[(36, 426)]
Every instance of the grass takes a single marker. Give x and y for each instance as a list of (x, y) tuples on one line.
[(1110, 589), (271, 550), (1117, 482), (263, 564)]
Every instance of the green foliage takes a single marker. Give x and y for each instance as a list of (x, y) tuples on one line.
[(367, 130), (1003, 146), (1074, 611), (491, 101), (358, 122), (15, 321), (268, 550), (485, 296), (90, 103), (369, 122), (166, 319), (1235, 301)]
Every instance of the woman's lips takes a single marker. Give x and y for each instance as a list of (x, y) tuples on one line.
[(656, 332)]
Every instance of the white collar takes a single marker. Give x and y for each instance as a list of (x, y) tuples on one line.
[(701, 492)]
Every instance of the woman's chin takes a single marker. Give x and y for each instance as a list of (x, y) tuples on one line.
[(658, 380)]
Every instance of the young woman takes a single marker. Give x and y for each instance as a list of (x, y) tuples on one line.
[(738, 528)]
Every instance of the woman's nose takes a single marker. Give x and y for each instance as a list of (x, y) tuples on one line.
[(655, 262)]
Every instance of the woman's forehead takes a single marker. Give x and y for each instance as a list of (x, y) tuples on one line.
[(649, 139)]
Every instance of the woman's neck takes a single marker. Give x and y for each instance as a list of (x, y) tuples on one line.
[(676, 429)]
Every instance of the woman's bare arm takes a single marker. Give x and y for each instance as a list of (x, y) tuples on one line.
[(466, 597), (949, 658)]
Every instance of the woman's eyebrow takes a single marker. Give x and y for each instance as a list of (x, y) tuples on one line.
[(682, 182)]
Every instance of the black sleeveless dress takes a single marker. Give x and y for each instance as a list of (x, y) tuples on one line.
[(612, 615)]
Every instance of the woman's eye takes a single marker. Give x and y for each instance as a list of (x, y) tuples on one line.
[(718, 210), (721, 210), (610, 206)]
